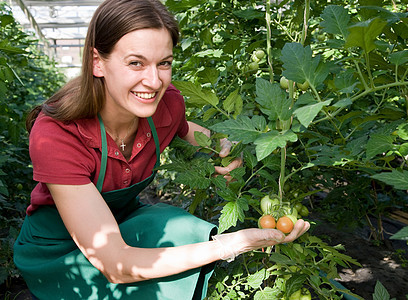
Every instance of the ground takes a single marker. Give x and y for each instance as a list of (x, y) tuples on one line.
[(377, 262)]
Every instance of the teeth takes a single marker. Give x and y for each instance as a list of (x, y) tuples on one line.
[(145, 95)]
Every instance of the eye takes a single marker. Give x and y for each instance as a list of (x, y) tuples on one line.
[(166, 64), (135, 63)]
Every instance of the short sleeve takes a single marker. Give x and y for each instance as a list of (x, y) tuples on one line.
[(58, 153)]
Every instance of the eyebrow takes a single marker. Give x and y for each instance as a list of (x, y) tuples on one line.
[(144, 58)]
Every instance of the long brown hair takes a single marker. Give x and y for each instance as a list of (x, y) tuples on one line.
[(84, 96)]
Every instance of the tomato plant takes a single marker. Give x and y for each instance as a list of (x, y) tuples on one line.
[(345, 135)]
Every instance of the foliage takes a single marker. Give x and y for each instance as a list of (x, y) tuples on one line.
[(27, 77), (338, 126)]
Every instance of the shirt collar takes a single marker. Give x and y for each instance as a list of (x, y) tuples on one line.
[(89, 128)]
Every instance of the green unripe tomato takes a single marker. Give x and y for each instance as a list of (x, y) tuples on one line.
[(292, 218), (294, 212), (304, 212), (303, 86), (267, 204), (295, 295), (298, 206), (19, 186), (259, 54), (284, 83), (321, 37), (305, 294), (253, 66)]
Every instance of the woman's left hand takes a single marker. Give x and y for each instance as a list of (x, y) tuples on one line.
[(224, 152)]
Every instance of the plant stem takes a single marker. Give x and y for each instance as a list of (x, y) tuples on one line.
[(268, 38)]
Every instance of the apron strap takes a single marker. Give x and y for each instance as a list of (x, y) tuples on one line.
[(104, 158), (156, 140)]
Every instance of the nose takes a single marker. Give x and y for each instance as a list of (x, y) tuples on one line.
[(152, 78)]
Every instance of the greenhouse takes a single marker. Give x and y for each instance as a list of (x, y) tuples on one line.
[(191, 149)]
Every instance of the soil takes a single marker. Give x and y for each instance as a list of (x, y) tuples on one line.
[(378, 262), (387, 262)]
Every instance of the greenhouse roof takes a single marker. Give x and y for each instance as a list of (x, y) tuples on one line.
[(55, 19)]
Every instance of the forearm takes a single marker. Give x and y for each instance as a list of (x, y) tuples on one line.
[(193, 127), (138, 264)]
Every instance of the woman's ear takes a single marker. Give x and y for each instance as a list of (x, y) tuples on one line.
[(97, 64)]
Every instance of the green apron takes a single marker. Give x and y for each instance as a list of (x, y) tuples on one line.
[(54, 268)]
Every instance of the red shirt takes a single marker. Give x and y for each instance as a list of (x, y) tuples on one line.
[(71, 153)]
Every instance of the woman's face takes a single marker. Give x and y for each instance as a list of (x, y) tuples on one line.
[(136, 73)]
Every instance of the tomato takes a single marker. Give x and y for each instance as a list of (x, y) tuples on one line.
[(284, 83), (267, 221), (259, 53), (298, 206), (285, 224), (267, 204), (303, 86), (304, 212), (305, 294), (295, 295), (19, 186), (294, 212), (253, 66)]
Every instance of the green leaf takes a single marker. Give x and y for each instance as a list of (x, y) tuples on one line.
[(250, 159), (294, 283), (193, 180), (248, 14), (238, 173), (233, 102), (186, 43), (256, 280), (231, 46), (242, 129), (379, 143), (380, 292), (301, 66), (195, 93), (401, 235), (202, 139), (209, 75), (267, 294), (399, 58), (363, 34), (280, 259), (269, 141), (273, 100), (335, 20), (397, 179), (306, 114), (231, 213)]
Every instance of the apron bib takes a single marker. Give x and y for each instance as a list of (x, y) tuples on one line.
[(54, 268)]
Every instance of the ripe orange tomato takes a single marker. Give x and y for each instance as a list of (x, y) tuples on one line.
[(267, 221), (285, 224)]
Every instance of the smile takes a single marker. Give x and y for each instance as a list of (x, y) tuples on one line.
[(144, 95)]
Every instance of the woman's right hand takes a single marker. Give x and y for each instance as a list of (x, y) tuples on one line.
[(233, 244)]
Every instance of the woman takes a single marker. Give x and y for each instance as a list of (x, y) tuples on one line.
[(93, 146)]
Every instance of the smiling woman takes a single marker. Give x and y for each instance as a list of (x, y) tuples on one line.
[(94, 147)]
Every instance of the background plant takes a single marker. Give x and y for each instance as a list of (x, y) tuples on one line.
[(27, 77)]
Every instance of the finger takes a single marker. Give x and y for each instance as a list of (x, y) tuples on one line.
[(225, 147), (300, 227)]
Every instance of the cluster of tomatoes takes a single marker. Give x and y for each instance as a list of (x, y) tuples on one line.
[(257, 57), (279, 216), (284, 83)]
